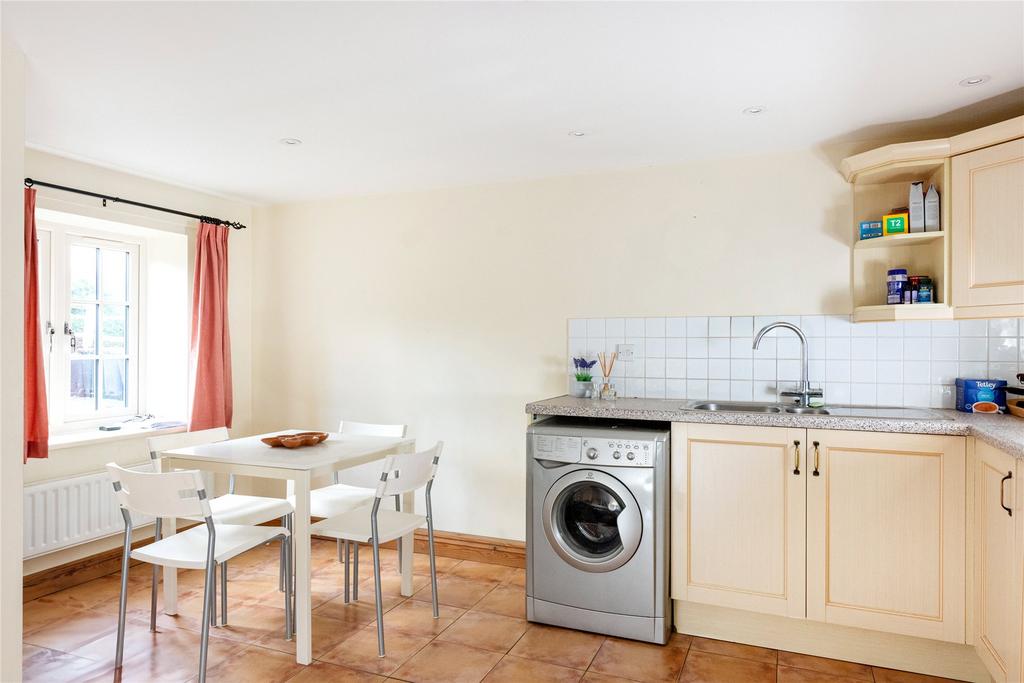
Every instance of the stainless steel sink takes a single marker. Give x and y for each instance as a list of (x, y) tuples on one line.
[(738, 407), (754, 407)]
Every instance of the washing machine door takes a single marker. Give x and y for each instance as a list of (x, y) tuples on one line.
[(592, 521)]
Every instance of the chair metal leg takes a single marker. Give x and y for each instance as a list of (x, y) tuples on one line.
[(433, 565), (209, 589), (213, 597), (340, 544), (156, 581), (284, 549), (377, 591), (355, 572), (286, 569), (398, 508), (348, 562), (224, 594), (123, 602)]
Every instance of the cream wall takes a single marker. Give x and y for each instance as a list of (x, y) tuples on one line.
[(12, 254), (48, 167), (447, 309)]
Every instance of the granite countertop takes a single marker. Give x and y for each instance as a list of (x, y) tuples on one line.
[(1004, 432)]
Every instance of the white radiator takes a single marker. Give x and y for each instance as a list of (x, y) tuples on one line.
[(61, 513)]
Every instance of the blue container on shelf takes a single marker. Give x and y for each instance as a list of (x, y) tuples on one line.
[(870, 229)]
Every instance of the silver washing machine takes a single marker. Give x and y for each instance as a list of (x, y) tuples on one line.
[(597, 528)]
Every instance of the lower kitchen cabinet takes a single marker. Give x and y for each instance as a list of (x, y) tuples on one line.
[(998, 563), (885, 532), (738, 503)]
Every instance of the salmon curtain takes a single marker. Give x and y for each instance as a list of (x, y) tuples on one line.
[(37, 424), (211, 342)]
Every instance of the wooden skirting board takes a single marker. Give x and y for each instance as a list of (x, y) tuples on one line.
[(446, 544)]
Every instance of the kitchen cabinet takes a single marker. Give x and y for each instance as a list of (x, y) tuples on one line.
[(998, 563), (988, 231), (885, 532), (738, 502)]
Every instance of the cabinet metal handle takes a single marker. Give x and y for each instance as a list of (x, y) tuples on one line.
[(1002, 493), (796, 465), (817, 458)]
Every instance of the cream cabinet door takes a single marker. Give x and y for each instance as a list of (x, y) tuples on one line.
[(988, 231), (885, 532), (998, 565), (738, 517)]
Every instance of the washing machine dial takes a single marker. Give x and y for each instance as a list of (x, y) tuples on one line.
[(616, 455), (630, 456), (592, 453)]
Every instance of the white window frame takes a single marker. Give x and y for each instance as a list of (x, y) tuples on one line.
[(55, 242)]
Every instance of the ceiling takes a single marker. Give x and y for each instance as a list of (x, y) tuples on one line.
[(403, 96)]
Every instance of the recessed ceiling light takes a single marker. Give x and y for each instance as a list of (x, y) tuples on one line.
[(975, 80), (576, 133), (291, 142), (756, 109)]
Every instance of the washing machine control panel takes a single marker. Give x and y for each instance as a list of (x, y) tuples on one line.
[(618, 452), (558, 448)]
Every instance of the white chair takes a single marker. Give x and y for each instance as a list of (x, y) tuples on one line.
[(183, 494), (231, 508), (358, 488), (370, 524)]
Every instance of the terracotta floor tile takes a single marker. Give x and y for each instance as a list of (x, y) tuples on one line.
[(171, 655), (456, 591), (594, 677), (835, 667), (448, 663), (327, 633), (254, 664), (486, 631), (413, 616), (479, 571), (421, 564), (561, 646), (639, 661), (723, 647), (517, 670), (508, 600), (37, 614), (788, 674), (323, 672), (893, 676), (517, 578), (70, 634), (359, 651), (359, 613), (705, 667), (251, 624), (390, 587), (51, 666)]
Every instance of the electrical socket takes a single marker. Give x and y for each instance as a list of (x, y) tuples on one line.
[(625, 351)]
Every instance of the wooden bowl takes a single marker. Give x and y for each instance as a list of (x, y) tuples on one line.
[(292, 441), (272, 441), (1016, 407), (316, 437), (295, 440)]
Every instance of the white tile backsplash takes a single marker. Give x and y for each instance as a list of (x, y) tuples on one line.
[(911, 363)]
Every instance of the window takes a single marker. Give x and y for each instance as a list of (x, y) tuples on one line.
[(90, 303)]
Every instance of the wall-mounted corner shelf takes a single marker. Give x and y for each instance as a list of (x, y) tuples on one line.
[(905, 240), (883, 313)]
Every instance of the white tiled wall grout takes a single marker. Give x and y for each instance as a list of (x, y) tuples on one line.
[(910, 363)]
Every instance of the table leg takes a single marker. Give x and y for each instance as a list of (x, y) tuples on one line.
[(303, 592), (408, 542), (168, 528)]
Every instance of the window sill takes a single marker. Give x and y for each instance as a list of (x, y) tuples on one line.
[(95, 436)]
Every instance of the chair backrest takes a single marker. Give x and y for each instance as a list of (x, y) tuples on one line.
[(370, 429), (167, 442), (160, 494), (408, 471)]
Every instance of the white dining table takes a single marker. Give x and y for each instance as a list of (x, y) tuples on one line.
[(252, 458)]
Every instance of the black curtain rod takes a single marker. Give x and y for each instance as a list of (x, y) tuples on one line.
[(29, 182)]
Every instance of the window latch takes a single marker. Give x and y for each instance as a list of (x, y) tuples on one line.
[(68, 331)]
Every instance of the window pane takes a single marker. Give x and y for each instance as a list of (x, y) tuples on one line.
[(83, 325), (82, 386), (114, 330), (83, 272), (114, 275), (115, 384)]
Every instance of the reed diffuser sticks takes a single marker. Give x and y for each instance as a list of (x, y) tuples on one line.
[(607, 363)]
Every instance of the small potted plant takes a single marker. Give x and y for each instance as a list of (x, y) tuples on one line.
[(583, 378)]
